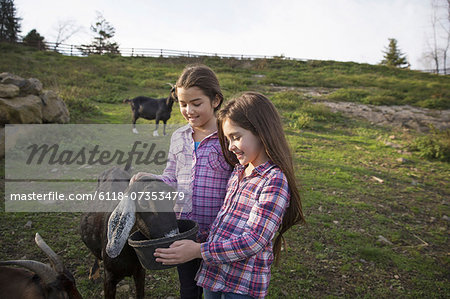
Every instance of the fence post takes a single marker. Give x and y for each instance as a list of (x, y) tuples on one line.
[(161, 52), (71, 48), (188, 54), (132, 52)]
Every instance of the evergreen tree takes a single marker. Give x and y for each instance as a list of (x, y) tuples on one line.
[(9, 23), (393, 56), (102, 43), (35, 40)]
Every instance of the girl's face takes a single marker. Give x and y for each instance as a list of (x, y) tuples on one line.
[(247, 147), (195, 106)]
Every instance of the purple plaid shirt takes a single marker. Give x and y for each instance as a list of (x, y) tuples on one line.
[(238, 252), (202, 176)]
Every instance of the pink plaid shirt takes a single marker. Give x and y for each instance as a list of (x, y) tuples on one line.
[(238, 252), (202, 176)]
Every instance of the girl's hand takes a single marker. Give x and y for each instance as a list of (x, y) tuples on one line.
[(178, 252), (137, 176)]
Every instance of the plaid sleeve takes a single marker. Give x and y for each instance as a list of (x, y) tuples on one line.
[(263, 222), (169, 174)]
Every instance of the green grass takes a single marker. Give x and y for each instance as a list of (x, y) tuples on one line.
[(337, 254)]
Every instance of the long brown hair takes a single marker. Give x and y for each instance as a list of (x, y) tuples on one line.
[(203, 77), (254, 112)]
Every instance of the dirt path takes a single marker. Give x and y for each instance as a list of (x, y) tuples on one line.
[(398, 116), (405, 116)]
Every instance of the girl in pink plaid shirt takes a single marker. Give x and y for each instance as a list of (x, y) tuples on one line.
[(196, 165), (262, 199)]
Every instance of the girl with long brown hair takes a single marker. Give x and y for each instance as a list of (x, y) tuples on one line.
[(196, 166), (262, 199)]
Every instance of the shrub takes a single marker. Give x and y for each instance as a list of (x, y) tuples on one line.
[(288, 100), (435, 145), (80, 108), (299, 120)]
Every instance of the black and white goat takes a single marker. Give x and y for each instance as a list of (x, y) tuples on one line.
[(149, 108)]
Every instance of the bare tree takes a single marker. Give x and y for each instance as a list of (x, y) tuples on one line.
[(65, 30), (446, 27), (440, 34)]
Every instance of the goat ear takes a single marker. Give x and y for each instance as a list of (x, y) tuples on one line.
[(120, 224)]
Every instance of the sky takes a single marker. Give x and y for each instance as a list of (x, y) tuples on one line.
[(341, 30)]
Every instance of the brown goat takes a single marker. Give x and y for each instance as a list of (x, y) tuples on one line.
[(41, 281)]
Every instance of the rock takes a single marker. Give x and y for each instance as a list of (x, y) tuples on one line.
[(26, 86), (21, 110), (383, 240), (404, 116), (335, 222), (123, 288), (446, 218), (31, 86), (391, 144), (381, 181), (9, 91), (54, 110), (23, 101), (8, 78), (28, 224), (402, 160)]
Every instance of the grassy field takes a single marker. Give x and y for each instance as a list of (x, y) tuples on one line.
[(337, 163)]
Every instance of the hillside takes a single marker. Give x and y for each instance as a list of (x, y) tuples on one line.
[(111, 79), (376, 199)]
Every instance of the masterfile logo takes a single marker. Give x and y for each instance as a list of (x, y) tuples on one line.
[(59, 167)]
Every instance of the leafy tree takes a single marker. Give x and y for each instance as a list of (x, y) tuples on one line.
[(393, 56), (9, 23), (35, 40), (102, 43)]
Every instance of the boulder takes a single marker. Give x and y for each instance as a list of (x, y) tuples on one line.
[(8, 78), (54, 110), (31, 86), (23, 101), (8, 91), (21, 110), (26, 86)]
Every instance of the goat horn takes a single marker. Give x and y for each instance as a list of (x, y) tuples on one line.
[(171, 85), (45, 272), (54, 258)]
